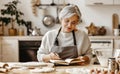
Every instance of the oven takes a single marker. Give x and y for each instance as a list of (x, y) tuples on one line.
[(28, 50)]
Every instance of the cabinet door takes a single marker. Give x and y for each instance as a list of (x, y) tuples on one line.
[(10, 50), (99, 2), (116, 2), (117, 44)]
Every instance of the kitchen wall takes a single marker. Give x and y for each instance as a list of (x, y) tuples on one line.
[(100, 15)]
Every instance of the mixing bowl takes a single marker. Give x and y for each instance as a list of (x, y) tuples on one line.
[(103, 55)]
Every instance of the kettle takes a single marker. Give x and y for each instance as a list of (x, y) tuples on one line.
[(35, 31)]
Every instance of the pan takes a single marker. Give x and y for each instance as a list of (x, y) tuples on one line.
[(48, 20)]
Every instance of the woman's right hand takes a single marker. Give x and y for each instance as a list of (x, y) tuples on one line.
[(54, 56), (51, 56)]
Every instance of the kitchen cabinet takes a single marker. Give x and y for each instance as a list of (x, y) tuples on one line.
[(9, 50), (116, 2), (99, 2), (102, 2), (9, 47), (102, 44), (99, 42), (117, 43)]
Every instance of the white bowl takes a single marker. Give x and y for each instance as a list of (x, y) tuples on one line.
[(103, 55)]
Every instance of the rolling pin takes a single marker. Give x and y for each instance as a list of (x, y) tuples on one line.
[(115, 21)]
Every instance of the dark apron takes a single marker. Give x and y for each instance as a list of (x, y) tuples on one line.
[(67, 51)]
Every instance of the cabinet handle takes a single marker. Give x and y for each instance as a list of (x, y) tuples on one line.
[(99, 3)]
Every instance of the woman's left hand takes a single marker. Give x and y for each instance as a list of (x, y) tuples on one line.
[(85, 60)]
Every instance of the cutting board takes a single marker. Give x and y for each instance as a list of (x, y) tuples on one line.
[(115, 21)]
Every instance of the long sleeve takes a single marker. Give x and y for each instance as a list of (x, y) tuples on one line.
[(43, 49), (86, 46), (46, 44)]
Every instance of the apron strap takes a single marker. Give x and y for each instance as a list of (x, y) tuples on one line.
[(74, 37), (56, 39)]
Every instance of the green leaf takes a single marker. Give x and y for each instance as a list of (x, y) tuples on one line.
[(12, 10)]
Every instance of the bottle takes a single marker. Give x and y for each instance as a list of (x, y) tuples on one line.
[(21, 31), (112, 65), (12, 31)]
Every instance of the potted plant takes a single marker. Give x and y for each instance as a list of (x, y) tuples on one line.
[(11, 14)]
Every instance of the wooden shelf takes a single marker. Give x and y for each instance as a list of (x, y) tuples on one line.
[(53, 4)]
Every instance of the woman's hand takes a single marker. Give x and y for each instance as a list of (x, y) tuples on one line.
[(51, 56), (85, 60), (54, 56)]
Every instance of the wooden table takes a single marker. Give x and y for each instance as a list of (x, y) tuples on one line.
[(61, 69), (58, 69)]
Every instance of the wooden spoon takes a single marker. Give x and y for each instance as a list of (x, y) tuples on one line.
[(115, 21)]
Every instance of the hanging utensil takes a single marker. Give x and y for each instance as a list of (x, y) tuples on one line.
[(48, 21), (115, 21), (57, 11), (52, 4)]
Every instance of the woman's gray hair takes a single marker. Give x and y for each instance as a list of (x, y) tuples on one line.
[(69, 11)]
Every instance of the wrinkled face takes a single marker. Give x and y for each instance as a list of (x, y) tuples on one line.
[(69, 24)]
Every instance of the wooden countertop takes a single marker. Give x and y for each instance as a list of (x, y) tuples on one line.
[(58, 69), (40, 37), (92, 37), (62, 69)]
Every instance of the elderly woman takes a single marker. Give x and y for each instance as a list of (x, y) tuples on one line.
[(67, 41)]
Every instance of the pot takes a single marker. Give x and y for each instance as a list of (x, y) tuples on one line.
[(48, 21)]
